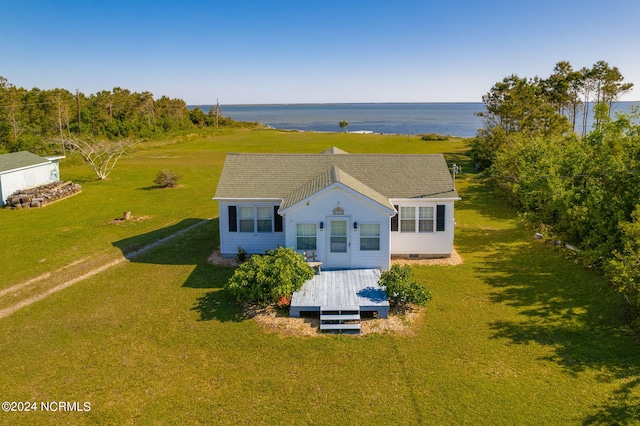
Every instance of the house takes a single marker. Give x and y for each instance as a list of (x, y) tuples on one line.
[(21, 170), (356, 211)]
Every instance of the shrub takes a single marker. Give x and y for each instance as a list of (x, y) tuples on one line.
[(401, 289), (264, 278), (241, 255), (166, 179), (434, 137)]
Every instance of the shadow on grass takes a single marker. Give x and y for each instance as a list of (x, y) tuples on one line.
[(478, 195), (192, 247), (560, 306), (217, 305)]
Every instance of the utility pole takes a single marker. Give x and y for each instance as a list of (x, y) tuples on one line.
[(78, 103), (217, 111)]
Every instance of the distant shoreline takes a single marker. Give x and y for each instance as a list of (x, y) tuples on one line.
[(334, 103), (455, 119), (358, 103)]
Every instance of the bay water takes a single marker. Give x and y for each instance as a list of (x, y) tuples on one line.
[(453, 119)]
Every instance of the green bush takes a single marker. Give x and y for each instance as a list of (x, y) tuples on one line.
[(264, 278), (434, 137), (401, 289), (166, 179), (242, 254)]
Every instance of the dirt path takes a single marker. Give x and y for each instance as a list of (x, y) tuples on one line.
[(24, 294)]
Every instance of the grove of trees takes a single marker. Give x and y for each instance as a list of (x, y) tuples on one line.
[(579, 185), (30, 119)]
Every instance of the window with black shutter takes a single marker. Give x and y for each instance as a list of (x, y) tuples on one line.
[(440, 217), (233, 219)]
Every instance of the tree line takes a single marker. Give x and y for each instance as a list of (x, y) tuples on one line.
[(31, 118), (577, 185)]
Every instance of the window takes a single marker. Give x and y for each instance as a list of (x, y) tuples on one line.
[(407, 219), (429, 219), (246, 219), (251, 219), (306, 236), (264, 219), (425, 219), (370, 236), (338, 236)]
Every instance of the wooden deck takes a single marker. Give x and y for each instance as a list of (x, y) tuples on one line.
[(356, 288)]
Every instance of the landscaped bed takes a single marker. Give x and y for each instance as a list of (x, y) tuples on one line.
[(401, 320)]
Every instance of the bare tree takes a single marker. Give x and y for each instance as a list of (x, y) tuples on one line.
[(102, 155)]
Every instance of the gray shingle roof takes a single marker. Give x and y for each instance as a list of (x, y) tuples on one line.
[(334, 150), (17, 160), (391, 175), (327, 178)]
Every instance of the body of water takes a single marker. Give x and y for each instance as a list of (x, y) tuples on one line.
[(454, 119)]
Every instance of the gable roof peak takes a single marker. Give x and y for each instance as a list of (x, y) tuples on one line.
[(330, 176), (334, 150)]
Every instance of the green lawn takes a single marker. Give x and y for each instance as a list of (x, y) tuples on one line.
[(516, 335)]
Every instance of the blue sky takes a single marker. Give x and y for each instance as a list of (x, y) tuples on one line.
[(300, 51)]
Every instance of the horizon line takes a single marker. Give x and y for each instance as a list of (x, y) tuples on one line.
[(353, 103), (336, 103)]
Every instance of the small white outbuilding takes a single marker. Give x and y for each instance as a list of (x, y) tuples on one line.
[(22, 170)]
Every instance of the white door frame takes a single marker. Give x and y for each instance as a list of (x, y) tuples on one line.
[(338, 259)]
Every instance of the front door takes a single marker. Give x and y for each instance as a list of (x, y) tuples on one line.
[(339, 244)]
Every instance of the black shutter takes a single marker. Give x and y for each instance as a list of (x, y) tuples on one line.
[(233, 219), (277, 220), (440, 217), (394, 220)]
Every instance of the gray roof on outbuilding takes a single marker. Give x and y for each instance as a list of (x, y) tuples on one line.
[(294, 175), (18, 160)]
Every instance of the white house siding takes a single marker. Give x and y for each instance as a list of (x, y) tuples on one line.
[(27, 177), (356, 209), (256, 242), (426, 244)]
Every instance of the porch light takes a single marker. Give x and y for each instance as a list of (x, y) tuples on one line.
[(321, 226), (355, 226)]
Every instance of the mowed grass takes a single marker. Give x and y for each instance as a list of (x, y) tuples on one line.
[(516, 335), (36, 241)]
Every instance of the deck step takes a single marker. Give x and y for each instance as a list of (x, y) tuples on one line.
[(340, 318)]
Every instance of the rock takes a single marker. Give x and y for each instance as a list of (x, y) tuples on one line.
[(538, 236)]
